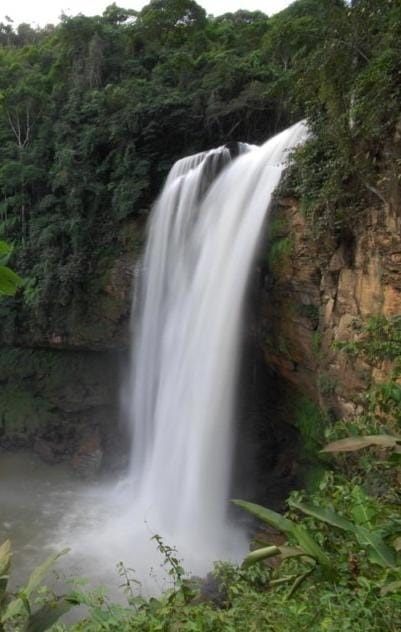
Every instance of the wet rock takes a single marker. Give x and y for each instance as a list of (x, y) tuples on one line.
[(212, 591), (88, 457), (49, 452), (14, 441)]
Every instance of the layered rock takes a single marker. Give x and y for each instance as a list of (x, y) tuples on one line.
[(321, 292)]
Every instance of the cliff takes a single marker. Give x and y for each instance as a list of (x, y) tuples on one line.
[(61, 381), (320, 290)]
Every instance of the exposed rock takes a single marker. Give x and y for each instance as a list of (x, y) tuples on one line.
[(49, 452), (87, 459), (49, 399), (345, 283), (339, 260)]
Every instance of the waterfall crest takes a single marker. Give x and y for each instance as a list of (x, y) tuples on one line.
[(203, 236)]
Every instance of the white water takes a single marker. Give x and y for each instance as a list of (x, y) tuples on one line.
[(186, 336), (181, 392)]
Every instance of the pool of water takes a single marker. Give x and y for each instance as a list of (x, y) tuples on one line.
[(35, 502), (47, 508)]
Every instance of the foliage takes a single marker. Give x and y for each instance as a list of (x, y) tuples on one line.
[(379, 341), (378, 428), (32, 608), (279, 253), (339, 571), (348, 85), (94, 111), (9, 280), (310, 421)]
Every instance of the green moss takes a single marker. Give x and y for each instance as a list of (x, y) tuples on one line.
[(326, 384), (283, 346), (310, 421), (40, 386), (279, 253), (316, 342), (22, 412), (277, 228), (310, 312)]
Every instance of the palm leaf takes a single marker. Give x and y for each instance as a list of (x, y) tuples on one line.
[(272, 518), (352, 444), (276, 520), (324, 514)]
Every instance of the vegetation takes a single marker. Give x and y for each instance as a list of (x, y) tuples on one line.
[(93, 112), (9, 280), (336, 567), (339, 570)]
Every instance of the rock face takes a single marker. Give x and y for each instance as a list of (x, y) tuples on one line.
[(96, 314), (60, 385), (61, 367), (63, 404), (319, 293), (88, 456)]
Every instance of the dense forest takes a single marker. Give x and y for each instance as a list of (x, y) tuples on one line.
[(93, 113)]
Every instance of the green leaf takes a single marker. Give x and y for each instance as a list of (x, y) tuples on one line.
[(361, 509), (46, 616), (394, 459), (260, 554), (39, 573), (272, 518), (298, 582), (324, 514), (5, 564), (21, 604), (392, 587), (310, 546), (9, 281), (5, 248), (397, 543), (287, 552), (352, 444), (15, 608), (379, 552), (276, 520)]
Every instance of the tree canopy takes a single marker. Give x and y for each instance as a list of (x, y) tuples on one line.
[(94, 111)]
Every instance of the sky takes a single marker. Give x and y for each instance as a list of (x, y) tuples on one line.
[(48, 11)]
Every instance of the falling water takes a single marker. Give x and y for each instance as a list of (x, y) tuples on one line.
[(203, 236)]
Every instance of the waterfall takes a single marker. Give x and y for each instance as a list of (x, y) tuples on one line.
[(203, 236)]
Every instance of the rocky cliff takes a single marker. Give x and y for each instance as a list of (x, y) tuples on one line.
[(60, 385), (318, 290), (62, 366)]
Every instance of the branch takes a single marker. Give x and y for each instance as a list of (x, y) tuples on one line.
[(376, 192), (17, 133)]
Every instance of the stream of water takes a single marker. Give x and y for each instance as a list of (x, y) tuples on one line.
[(180, 394)]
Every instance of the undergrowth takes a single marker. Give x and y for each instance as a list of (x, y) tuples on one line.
[(337, 564)]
